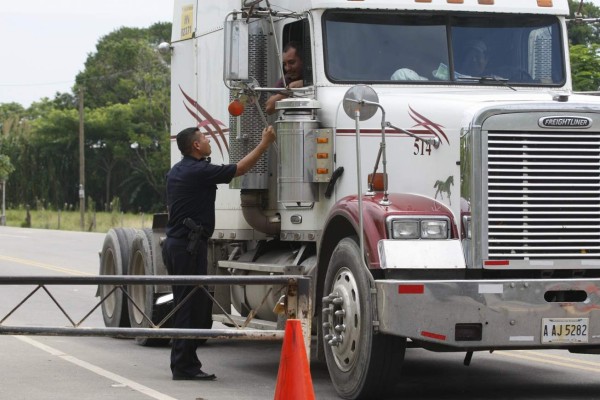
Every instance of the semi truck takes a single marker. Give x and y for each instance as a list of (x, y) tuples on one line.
[(432, 204)]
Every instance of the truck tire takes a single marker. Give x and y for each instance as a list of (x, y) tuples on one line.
[(362, 363), (114, 260), (143, 295)]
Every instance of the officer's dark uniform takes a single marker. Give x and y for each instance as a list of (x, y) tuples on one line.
[(191, 192)]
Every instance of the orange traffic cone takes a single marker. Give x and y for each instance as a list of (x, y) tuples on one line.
[(293, 379)]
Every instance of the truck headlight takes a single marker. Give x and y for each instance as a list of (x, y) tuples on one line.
[(418, 228), (405, 229), (434, 229)]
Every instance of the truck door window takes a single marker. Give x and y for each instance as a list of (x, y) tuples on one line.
[(299, 32), (425, 49)]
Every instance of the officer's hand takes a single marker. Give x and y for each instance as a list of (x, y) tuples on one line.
[(268, 135)]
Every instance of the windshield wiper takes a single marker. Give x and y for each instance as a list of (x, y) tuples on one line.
[(486, 79)]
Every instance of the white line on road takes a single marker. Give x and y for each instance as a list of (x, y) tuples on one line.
[(545, 359), (15, 236), (97, 370)]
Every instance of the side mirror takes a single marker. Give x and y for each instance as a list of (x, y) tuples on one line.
[(236, 51), (361, 98)]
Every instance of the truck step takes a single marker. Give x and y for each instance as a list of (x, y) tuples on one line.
[(260, 267)]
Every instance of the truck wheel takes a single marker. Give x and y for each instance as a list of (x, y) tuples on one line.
[(362, 364), (143, 295), (114, 260)]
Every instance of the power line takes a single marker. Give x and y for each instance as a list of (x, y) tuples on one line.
[(36, 84)]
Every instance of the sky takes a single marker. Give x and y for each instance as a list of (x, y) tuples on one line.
[(45, 42)]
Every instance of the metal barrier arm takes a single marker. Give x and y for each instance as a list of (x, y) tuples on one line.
[(297, 306), (153, 280), (164, 333), (15, 308)]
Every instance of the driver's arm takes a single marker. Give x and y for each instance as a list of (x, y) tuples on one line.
[(270, 105)]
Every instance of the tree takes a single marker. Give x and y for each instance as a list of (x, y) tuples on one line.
[(14, 134), (585, 67), (6, 167), (583, 33), (125, 66), (107, 140), (584, 38), (127, 113), (11, 117), (54, 157), (150, 159), (127, 86)]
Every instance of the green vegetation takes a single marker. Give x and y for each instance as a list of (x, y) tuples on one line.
[(71, 220), (126, 95), (583, 33), (584, 40), (585, 64)]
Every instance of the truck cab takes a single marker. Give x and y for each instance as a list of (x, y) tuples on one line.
[(435, 175)]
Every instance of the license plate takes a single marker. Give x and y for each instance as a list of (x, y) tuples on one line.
[(565, 330)]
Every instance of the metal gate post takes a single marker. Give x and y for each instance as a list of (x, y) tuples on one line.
[(299, 307)]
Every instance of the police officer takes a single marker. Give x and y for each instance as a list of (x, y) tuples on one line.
[(191, 191)]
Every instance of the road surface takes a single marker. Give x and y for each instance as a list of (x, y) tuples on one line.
[(36, 367)]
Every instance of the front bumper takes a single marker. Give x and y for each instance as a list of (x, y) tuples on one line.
[(510, 313)]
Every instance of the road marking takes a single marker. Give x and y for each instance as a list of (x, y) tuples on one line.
[(14, 236), (568, 359), (550, 359), (49, 267), (97, 370)]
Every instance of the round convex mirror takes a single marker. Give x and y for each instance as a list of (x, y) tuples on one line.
[(355, 98)]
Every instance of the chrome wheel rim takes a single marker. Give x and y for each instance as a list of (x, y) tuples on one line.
[(342, 319)]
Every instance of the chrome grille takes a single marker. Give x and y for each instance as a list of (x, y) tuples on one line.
[(543, 195)]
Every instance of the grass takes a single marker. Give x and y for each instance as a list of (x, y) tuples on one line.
[(71, 220)]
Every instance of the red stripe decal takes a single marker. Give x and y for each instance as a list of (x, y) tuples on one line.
[(210, 132), (411, 289), (433, 335), (377, 132), (496, 262), (216, 123), (427, 124)]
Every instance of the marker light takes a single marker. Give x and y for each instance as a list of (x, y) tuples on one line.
[(236, 108), (467, 226)]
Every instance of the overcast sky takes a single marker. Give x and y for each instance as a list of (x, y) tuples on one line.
[(46, 42)]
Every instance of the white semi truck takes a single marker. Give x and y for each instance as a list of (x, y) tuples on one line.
[(431, 205)]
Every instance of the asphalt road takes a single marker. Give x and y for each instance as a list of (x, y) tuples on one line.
[(36, 367)]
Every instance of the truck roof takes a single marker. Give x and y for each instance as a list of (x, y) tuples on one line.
[(552, 7), (201, 17)]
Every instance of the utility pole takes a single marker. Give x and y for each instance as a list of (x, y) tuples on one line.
[(3, 216), (81, 164)]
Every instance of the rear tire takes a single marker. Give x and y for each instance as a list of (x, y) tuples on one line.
[(362, 364), (114, 260), (143, 295)]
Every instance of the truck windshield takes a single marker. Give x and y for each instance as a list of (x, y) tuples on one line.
[(417, 48)]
